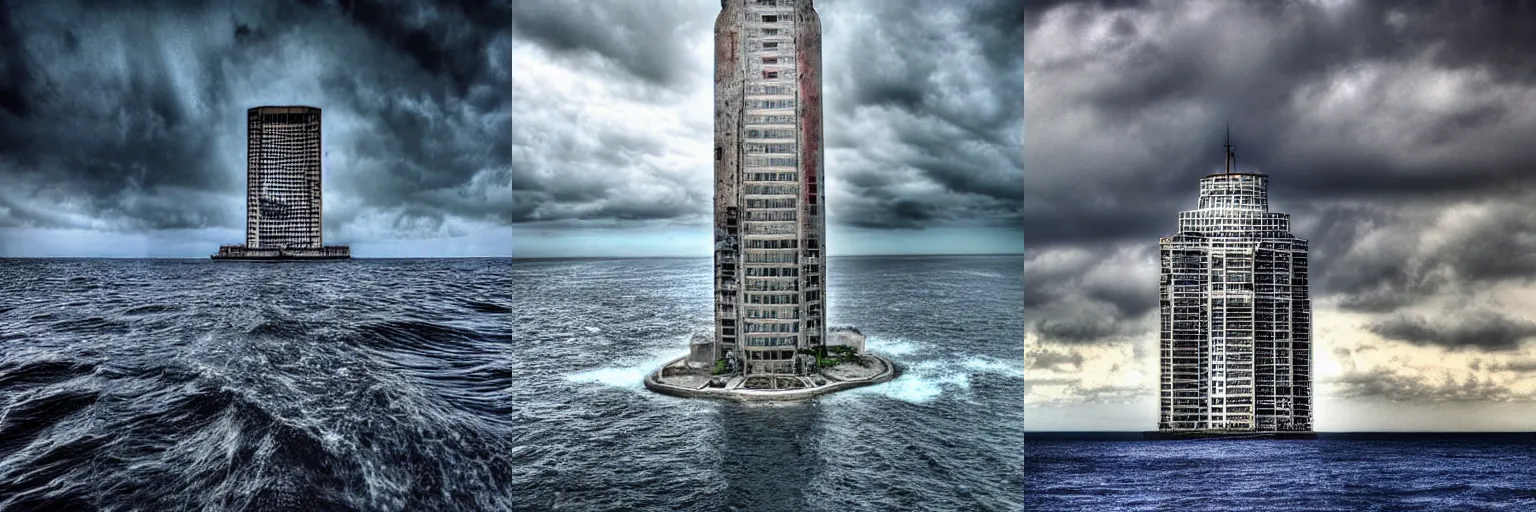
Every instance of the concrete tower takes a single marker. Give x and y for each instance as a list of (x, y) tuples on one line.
[(769, 214), (282, 173), (1236, 336), (282, 188)]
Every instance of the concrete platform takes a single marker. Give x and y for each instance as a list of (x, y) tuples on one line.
[(243, 253), (676, 379), (1163, 435)]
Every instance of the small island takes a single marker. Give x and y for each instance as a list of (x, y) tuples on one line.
[(841, 364)]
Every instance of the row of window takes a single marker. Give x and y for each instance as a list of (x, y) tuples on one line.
[(771, 119), (779, 298), (777, 228), (776, 161), (770, 257), (770, 176), (758, 243), (772, 215), (774, 313), (773, 341), (775, 327), (772, 272), (770, 133), (756, 148), (777, 285), (770, 104), (771, 203)]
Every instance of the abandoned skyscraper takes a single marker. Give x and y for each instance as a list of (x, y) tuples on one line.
[(769, 223), (282, 196), (1236, 329)]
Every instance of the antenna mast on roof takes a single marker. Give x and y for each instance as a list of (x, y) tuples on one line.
[(1231, 157)]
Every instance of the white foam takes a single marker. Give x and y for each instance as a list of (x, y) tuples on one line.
[(926, 381), (893, 347), (983, 364), (627, 376), (616, 377), (593, 330)]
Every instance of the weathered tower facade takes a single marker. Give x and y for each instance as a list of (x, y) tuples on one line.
[(1236, 334), (769, 215), (282, 190)]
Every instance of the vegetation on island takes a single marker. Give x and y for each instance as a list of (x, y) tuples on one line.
[(835, 355)]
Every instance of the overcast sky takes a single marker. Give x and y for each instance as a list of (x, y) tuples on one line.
[(122, 124), (1399, 135), (613, 105)]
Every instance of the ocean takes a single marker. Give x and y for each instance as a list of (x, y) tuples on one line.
[(1336, 472), (200, 385), (945, 435)]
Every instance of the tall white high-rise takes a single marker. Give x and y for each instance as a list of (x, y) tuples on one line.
[(1236, 334), (769, 223)]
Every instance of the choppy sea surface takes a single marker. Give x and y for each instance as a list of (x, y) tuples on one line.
[(201, 385), (945, 435), (1337, 471)]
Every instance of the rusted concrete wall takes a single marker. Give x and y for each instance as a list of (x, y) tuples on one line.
[(729, 81), (813, 208)]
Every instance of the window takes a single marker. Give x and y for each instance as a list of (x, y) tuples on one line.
[(770, 75), (770, 60), (770, 31), (771, 45), (770, 19)]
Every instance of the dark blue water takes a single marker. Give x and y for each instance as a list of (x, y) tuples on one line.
[(946, 435), (1429, 472), (196, 385)]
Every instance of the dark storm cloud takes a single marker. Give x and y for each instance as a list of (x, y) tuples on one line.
[(1486, 330), (1384, 383), (614, 29), (1395, 133), (1083, 296), (132, 117), (922, 119), (1337, 102)]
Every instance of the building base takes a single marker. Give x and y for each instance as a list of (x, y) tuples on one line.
[(1224, 434), (676, 379), (243, 253)]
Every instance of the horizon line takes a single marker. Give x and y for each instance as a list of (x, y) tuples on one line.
[(210, 259), (1533, 432), (706, 256)]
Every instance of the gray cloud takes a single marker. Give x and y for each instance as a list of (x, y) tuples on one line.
[(918, 135), (1383, 383), (1487, 330), (131, 118), (1336, 102)]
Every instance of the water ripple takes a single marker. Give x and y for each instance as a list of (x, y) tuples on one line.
[(193, 385)]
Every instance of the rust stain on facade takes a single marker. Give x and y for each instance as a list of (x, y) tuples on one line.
[(769, 216)]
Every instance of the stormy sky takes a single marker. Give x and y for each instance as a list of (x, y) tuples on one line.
[(122, 124), (612, 112), (1399, 135)]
